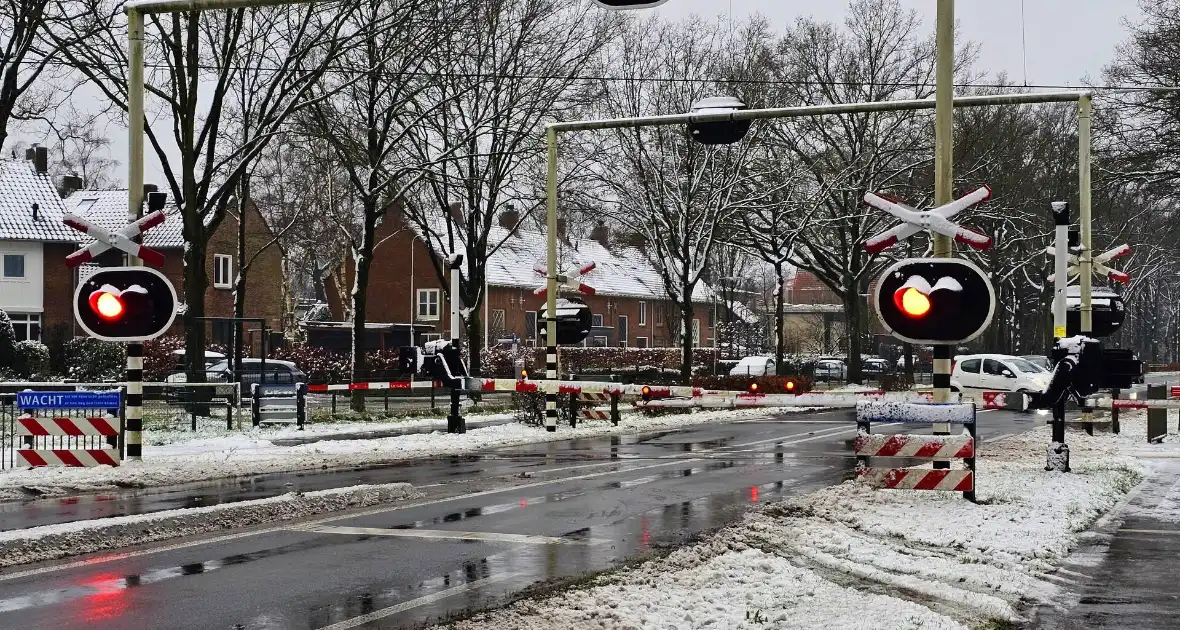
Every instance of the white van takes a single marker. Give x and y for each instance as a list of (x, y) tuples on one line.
[(754, 366), (997, 373)]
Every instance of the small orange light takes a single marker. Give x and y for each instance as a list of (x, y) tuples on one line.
[(108, 306), (790, 386), (524, 374), (753, 388), (912, 302), (646, 390)]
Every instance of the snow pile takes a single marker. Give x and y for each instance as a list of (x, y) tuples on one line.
[(210, 430), (243, 454), (49, 542), (912, 412), (852, 556)]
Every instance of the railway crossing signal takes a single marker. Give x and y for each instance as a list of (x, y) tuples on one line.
[(935, 301), (1098, 264), (626, 5), (936, 220), (570, 279), (125, 304), (121, 239)]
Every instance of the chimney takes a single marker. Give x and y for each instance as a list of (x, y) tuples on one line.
[(70, 184), (31, 152), (41, 160), (601, 233), (510, 218)]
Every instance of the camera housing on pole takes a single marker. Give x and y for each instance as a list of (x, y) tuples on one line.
[(628, 5)]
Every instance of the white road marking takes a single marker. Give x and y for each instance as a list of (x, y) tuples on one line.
[(1000, 437), (1166, 532), (414, 603), (443, 534), (103, 559)]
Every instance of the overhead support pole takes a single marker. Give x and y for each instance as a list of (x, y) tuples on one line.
[(551, 361), (944, 182), (1086, 257), (134, 368)]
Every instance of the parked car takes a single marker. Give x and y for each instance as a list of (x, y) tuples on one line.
[(277, 372), (1040, 361), (754, 366), (178, 374), (997, 373), (830, 370), (874, 366)]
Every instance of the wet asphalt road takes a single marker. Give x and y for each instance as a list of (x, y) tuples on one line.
[(481, 533)]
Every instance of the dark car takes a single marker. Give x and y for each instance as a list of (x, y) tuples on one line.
[(277, 372), (874, 367)]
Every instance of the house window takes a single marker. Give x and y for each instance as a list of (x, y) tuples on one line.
[(659, 314), (221, 271), (14, 265), (428, 304), (598, 342), (428, 337), (696, 332), (712, 313), (658, 342), (641, 342), (497, 323), (530, 324), (643, 313), (27, 326), (597, 322)]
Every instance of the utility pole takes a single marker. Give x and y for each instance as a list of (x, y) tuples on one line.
[(1057, 458), (944, 181), (1086, 256), (134, 367)]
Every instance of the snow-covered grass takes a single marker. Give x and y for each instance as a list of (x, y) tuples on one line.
[(850, 556), (213, 456), (49, 542)]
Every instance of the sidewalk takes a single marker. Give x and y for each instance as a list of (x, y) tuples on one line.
[(1127, 578)]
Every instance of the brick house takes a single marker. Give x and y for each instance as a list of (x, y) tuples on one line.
[(813, 316), (264, 287), (36, 288), (629, 308)]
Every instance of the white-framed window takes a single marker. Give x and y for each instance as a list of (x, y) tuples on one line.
[(597, 320), (498, 318), (428, 337), (14, 266), (27, 326), (222, 271), (623, 329), (659, 314), (641, 342), (428, 300), (598, 342), (530, 324), (696, 332), (643, 313)]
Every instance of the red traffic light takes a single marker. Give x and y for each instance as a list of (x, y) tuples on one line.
[(106, 304), (911, 301), (753, 388), (790, 385)]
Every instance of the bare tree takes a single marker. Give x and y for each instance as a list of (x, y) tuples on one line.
[(198, 57), (514, 65), (84, 152)]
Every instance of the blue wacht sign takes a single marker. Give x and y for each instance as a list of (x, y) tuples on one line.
[(69, 400)]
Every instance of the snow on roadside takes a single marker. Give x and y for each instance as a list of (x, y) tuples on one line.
[(245, 454), (50, 542), (852, 556)]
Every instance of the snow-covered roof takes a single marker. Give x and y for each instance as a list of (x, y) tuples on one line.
[(622, 271), (108, 209), (21, 186)]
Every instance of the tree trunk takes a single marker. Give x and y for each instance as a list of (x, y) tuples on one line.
[(360, 296), (194, 292), (779, 324), (853, 313), (686, 338)]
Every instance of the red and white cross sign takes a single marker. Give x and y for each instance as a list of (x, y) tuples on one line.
[(1098, 264), (571, 278), (936, 220), (119, 239)]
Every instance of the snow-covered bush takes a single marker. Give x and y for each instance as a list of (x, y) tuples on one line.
[(93, 360), (7, 341), (319, 312), (31, 360)]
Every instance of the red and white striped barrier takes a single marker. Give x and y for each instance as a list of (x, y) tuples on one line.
[(584, 387), (934, 447), (72, 458), (916, 446), (919, 479), (1174, 391), (105, 426), (374, 385), (1014, 401), (741, 400)]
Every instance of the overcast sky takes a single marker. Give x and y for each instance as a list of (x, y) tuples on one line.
[(1067, 40)]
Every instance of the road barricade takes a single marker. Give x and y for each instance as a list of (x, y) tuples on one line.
[(1010, 401), (932, 447), (588, 406), (70, 429)]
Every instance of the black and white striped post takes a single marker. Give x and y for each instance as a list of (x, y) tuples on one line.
[(551, 374), (941, 380), (134, 401)]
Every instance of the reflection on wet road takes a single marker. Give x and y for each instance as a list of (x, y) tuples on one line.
[(589, 505)]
